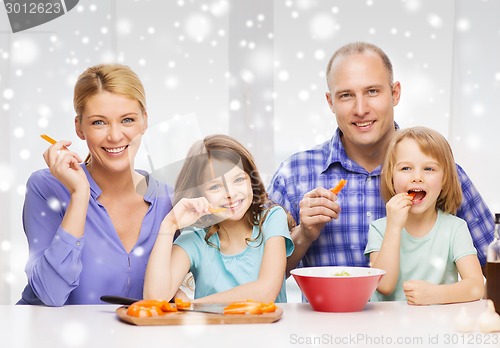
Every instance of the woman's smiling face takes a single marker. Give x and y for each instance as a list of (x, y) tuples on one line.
[(112, 126)]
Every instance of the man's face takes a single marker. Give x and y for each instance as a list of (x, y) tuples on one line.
[(362, 98)]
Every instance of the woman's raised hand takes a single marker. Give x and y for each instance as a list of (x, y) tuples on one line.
[(65, 166)]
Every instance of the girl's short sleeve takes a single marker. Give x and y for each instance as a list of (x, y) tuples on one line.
[(276, 224), (375, 236)]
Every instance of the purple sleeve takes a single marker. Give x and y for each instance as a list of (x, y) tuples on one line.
[(54, 262)]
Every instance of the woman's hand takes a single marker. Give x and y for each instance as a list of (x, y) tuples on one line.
[(65, 166)]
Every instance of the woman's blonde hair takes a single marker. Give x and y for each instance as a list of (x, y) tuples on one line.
[(226, 149), (113, 78), (432, 144)]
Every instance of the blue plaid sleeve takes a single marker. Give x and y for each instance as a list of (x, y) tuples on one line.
[(479, 218)]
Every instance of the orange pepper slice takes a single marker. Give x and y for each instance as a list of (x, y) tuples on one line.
[(412, 194), (180, 303), (216, 210), (339, 186), (249, 307), (268, 307), (150, 308)]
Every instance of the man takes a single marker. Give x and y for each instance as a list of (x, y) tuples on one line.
[(332, 230)]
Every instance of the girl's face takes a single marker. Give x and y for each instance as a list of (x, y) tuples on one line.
[(227, 186), (416, 172), (112, 126)]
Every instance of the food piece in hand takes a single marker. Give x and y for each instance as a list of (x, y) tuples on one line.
[(339, 186), (489, 320), (249, 307), (412, 195), (217, 210)]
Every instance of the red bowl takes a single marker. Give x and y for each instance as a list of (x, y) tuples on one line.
[(328, 292)]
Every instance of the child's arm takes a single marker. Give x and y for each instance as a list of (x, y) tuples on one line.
[(388, 256), (162, 280), (268, 285), (469, 288)]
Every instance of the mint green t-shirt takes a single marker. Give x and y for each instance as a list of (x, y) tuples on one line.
[(431, 258), (215, 272)]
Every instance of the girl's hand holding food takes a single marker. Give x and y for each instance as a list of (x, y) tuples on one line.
[(187, 211), (397, 210)]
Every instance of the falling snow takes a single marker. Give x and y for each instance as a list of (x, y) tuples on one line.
[(223, 63)]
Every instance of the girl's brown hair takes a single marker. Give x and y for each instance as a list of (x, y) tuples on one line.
[(432, 144), (227, 149)]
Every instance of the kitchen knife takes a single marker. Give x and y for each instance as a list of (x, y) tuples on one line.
[(211, 308)]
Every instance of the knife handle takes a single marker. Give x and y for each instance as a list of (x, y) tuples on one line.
[(118, 300)]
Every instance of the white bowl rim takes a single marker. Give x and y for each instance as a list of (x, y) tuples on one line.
[(329, 271)]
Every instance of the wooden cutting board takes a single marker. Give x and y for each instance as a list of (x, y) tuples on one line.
[(196, 318)]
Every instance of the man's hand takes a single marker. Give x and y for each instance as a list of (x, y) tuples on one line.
[(317, 207)]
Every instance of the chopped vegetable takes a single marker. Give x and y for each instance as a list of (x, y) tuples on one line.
[(339, 186), (342, 274), (150, 308), (412, 195), (249, 307), (180, 303)]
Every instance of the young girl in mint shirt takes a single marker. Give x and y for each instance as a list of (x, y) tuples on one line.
[(421, 245)]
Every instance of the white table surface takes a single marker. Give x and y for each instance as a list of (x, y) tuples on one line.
[(384, 324)]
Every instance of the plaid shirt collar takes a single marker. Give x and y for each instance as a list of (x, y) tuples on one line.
[(335, 153)]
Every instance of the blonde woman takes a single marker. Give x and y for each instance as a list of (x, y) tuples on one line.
[(91, 226)]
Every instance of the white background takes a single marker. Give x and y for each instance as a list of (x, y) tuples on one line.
[(251, 69)]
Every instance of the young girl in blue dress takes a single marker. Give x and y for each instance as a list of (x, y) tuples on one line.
[(233, 241)]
